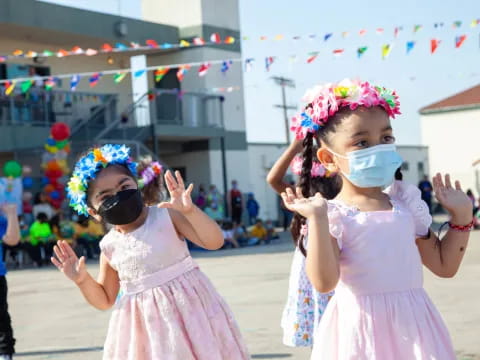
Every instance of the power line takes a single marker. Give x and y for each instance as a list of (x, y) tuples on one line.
[(284, 82)]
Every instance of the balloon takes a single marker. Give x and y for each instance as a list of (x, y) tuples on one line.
[(57, 204), (67, 149), (53, 174), (60, 131), (51, 141), (26, 170), (61, 155), (46, 157), (61, 144), (27, 196), (27, 182), (12, 169), (55, 195), (45, 181), (49, 188), (53, 165)]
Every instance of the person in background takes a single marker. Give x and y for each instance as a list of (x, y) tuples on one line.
[(63, 228), (10, 235), (201, 200), (236, 203), (241, 235), (426, 189), (40, 249), (229, 234), (271, 234), (398, 174), (215, 211), (213, 196), (260, 232), (88, 235), (27, 208), (252, 208), (41, 205)]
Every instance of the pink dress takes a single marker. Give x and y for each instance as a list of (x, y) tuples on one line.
[(169, 310), (380, 310)]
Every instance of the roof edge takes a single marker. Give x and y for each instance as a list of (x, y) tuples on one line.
[(426, 111)]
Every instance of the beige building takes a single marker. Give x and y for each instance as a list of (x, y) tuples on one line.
[(449, 128)]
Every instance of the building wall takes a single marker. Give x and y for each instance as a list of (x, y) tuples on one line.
[(450, 137), (196, 164), (415, 163), (126, 8)]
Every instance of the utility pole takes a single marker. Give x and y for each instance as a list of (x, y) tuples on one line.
[(284, 82)]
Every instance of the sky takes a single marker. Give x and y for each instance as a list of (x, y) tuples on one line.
[(419, 78)]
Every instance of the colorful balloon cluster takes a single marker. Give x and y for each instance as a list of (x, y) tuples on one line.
[(54, 164)]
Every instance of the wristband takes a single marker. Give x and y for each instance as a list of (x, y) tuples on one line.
[(462, 228)]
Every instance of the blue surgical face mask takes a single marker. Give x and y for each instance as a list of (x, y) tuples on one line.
[(372, 167)]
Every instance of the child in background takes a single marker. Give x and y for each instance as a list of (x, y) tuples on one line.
[(258, 231), (87, 235), (215, 211), (41, 237), (228, 232), (369, 242), (201, 200), (169, 309), (10, 235), (271, 234), (252, 208), (63, 228)]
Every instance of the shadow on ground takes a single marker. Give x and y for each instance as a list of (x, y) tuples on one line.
[(59, 352)]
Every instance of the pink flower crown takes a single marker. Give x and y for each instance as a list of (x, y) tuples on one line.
[(318, 170), (150, 173), (324, 101)]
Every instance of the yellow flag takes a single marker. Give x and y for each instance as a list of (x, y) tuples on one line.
[(386, 50)]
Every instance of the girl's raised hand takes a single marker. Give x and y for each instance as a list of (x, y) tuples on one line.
[(68, 262), (453, 199), (307, 207), (180, 198)]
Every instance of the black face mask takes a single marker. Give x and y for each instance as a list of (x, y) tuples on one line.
[(123, 208)]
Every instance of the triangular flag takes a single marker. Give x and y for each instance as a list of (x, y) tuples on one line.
[(139, 73), (151, 43), (457, 24), (134, 45), (62, 53), (386, 50), (17, 53), (278, 37), (245, 38), (263, 38), (32, 54), (410, 46), (3, 59), (474, 23), (416, 28), (397, 30), (215, 38), (91, 52), (345, 34), (93, 80), (198, 41), (312, 56), (160, 73), (380, 31), (268, 62), (327, 36), (121, 46), (9, 87), (362, 32), (249, 64), (338, 52), (118, 77), (434, 45), (74, 81), (459, 40), (226, 66), (203, 69), (312, 36), (361, 51), (229, 40), (77, 50), (293, 58), (50, 83), (184, 43), (107, 47), (167, 46), (297, 37), (47, 53), (26, 85), (182, 70)]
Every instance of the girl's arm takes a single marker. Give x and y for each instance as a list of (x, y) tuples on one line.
[(189, 220), (100, 293), (443, 257), (280, 168), (197, 227), (12, 236), (322, 264)]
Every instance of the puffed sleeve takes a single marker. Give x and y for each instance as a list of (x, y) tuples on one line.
[(411, 197), (335, 223)]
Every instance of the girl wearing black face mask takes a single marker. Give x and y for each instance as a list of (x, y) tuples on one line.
[(145, 256)]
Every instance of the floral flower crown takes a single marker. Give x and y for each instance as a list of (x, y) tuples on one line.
[(149, 174), (318, 170), (87, 168), (324, 101)]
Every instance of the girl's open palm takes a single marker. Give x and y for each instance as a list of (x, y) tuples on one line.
[(68, 262), (453, 199), (307, 207), (180, 198)]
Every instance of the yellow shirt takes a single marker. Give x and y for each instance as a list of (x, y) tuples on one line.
[(258, 232)]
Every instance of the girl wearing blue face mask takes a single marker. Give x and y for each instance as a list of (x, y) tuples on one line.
[(370, 241)]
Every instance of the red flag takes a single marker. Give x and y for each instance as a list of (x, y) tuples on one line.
[(434, 43), (312, 56), (107, 47), (151, 43), (338, 51), (380, 31), (203, 69), (362, 32), (77, 50), (459, 40), (182, 71), (215, 38), (198, 41), (62, 53)]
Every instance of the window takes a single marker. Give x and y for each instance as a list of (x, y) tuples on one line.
[(405, 166)]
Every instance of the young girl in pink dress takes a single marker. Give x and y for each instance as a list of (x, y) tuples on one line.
[(169, 309), (370, 242)]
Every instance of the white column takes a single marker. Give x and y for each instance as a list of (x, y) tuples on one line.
[(140, 88)]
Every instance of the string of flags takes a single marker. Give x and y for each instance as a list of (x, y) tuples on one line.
[(215, 39)]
